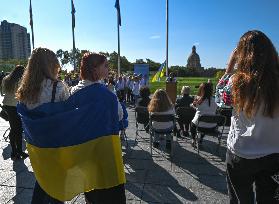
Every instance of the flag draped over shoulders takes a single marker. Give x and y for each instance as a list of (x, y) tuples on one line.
[(74, 145)]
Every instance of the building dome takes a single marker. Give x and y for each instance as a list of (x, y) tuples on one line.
[(194, 59)]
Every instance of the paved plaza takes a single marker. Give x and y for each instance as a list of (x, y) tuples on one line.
[(189, 178)]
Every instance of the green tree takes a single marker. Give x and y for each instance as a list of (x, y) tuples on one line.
[(219, 74), (153, 66), (9, 65), (124, 62)]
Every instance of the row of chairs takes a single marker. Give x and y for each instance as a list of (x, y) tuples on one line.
[(184, 115)]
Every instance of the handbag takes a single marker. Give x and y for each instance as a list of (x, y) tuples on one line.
[(4, 114)]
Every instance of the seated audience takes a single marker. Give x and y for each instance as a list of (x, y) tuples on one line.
[(160, 104), (144, 96), (185, 101), (204, 104)]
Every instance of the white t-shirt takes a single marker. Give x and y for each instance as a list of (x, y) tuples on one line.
[(204, 108), (61, 94), (136, 88), (120, 85), (254, 138)]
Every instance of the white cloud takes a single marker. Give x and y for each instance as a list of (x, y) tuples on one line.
[(155, 37)]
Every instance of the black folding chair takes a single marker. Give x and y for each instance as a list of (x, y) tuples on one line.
[(142, 117), (227, 112), (219, 120), (185, 115), (171, 131)]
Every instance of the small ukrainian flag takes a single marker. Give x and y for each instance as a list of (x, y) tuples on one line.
[(160, 73)]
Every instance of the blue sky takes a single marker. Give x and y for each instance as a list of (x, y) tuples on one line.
[(214, 26)]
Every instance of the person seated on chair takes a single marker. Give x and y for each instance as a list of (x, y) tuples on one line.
[(10, 85), (204, 104), (144, 102), (161, 104), (185, 101), (144, 97)]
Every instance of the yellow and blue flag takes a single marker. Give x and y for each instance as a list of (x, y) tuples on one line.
[(159, 73), (74, 145)]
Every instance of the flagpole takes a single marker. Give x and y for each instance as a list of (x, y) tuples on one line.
[(73, 33), (74, 48), (118, 32), (31, 23), (167, 37)]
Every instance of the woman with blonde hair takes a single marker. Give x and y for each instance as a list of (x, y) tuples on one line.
[(40, 85), (10, 85), (161, 104), (253, 140)]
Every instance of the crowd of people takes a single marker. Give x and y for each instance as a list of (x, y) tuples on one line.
[(126, 87), (248, 90)]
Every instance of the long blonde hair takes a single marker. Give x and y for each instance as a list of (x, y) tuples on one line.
[(256, 81), (160, 102), (43, 64)]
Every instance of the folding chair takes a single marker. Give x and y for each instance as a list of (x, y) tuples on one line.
[(227, 112), (214, 119), (142, 117), (153, 131), (185, 115)]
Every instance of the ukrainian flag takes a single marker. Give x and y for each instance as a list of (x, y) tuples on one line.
[(159, 73), (74, 145)]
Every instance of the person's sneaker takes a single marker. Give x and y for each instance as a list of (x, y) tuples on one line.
[(155, 144), (168, 145), (23, 155)]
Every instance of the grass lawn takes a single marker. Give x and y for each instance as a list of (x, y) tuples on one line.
[(182, 81)]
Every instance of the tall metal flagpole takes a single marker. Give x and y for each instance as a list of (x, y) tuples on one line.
[(117, 6), (118, 32), (167, 37), (73, 32), (31, 23)]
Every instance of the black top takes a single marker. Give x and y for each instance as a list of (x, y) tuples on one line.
[(185, 101), (144, 102)]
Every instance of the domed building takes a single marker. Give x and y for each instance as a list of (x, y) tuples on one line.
[(193, 61)]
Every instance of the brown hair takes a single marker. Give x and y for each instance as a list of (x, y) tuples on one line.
[(204, 92), (144, 92), (11, 82), (89, 63), (256, 81), (43, 64), (160, 101)]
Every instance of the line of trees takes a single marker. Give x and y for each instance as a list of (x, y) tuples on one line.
[(67, 58)]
